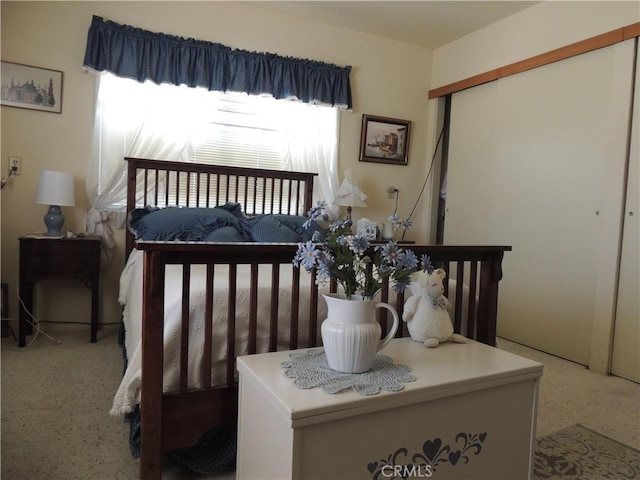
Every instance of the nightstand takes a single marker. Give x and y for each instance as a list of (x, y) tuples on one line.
[(54, 258)]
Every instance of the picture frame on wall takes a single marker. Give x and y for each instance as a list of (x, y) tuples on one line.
[(384, 140), (35, 88)]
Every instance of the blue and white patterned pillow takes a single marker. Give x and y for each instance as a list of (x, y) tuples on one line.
[(176, 223), (227, 234), (281, 229)]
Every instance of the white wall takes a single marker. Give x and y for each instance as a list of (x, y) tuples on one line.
[(539, 29), (536, 30), (388, 79)]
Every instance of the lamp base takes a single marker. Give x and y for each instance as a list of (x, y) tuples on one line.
[(54, 219), (349, 223)]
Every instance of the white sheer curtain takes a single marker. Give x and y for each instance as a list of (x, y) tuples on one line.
[(136, 120), (312, 146), (167, 122)]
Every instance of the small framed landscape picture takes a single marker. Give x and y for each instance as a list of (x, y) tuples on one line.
[(384, 140), (36, 88)]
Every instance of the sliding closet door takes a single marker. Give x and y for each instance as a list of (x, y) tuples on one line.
[(536, 161), (625, 360)]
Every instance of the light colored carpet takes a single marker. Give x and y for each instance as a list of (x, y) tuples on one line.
[(571, 393), (55, 410), (579, 453), (55, 402)]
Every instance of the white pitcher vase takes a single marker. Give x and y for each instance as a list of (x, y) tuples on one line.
[(351, 334)]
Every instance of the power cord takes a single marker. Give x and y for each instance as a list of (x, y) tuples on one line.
[(433, 158), (12, 171), (36, 325)]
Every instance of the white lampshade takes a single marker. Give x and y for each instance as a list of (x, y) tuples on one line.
[(55, 188), (349, 194)]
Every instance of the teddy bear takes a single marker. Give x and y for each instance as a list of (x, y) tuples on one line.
[(426, 310)]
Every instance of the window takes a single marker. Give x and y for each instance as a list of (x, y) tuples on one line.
[(193, 125), (244, 131)]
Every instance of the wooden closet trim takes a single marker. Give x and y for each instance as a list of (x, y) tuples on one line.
[(562, 53)]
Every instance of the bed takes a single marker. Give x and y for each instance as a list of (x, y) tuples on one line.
[(203, 300)]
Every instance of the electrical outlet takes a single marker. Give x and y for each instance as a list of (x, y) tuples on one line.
[(15, 165), (391, 192)]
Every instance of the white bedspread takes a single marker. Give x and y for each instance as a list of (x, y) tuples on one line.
[(128, 393)]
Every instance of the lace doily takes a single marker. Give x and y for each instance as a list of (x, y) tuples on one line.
[(310, 369)]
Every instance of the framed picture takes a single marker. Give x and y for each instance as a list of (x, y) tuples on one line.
[(36, 88), (384, 140)]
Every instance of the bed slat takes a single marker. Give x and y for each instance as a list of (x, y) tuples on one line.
[(184, 330), (273, 313), (208, 326), (471, 307), (253, 309), (457, 324), (231, 325), (295, 308), (313, 312)]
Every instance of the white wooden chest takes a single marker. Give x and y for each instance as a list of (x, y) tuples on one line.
[(470, 414)]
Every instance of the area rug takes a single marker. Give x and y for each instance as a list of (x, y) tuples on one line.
[(579, 453)]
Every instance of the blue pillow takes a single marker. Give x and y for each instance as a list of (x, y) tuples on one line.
[(281, 229), (177, 223), (226, 234)]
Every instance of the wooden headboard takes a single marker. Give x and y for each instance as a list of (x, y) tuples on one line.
[(163, 183)]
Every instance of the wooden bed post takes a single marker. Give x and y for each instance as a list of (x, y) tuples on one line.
[(152, 362), (490, 275), (132, 170)]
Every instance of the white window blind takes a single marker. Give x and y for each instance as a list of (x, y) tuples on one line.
[(167, 122), (244, 131)]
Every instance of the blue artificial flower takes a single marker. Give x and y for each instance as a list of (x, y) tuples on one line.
[(338, 225), (397, 222), (390, 253), (425, 263), (323, 272), (317, 211), (407, 259), (358, 244), (337, 255), (405, 223), (314, 213), (307, 255), (385, 269), (401, 284)]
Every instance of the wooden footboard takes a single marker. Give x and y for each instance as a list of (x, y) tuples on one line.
[(176, 420)]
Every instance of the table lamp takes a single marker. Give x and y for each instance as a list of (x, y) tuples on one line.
[(56, 190), (349, 194)]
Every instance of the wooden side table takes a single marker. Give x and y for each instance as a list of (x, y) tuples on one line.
[(69, 258), (469, 414)]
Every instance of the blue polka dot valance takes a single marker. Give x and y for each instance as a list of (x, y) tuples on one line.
[(143, 55)]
